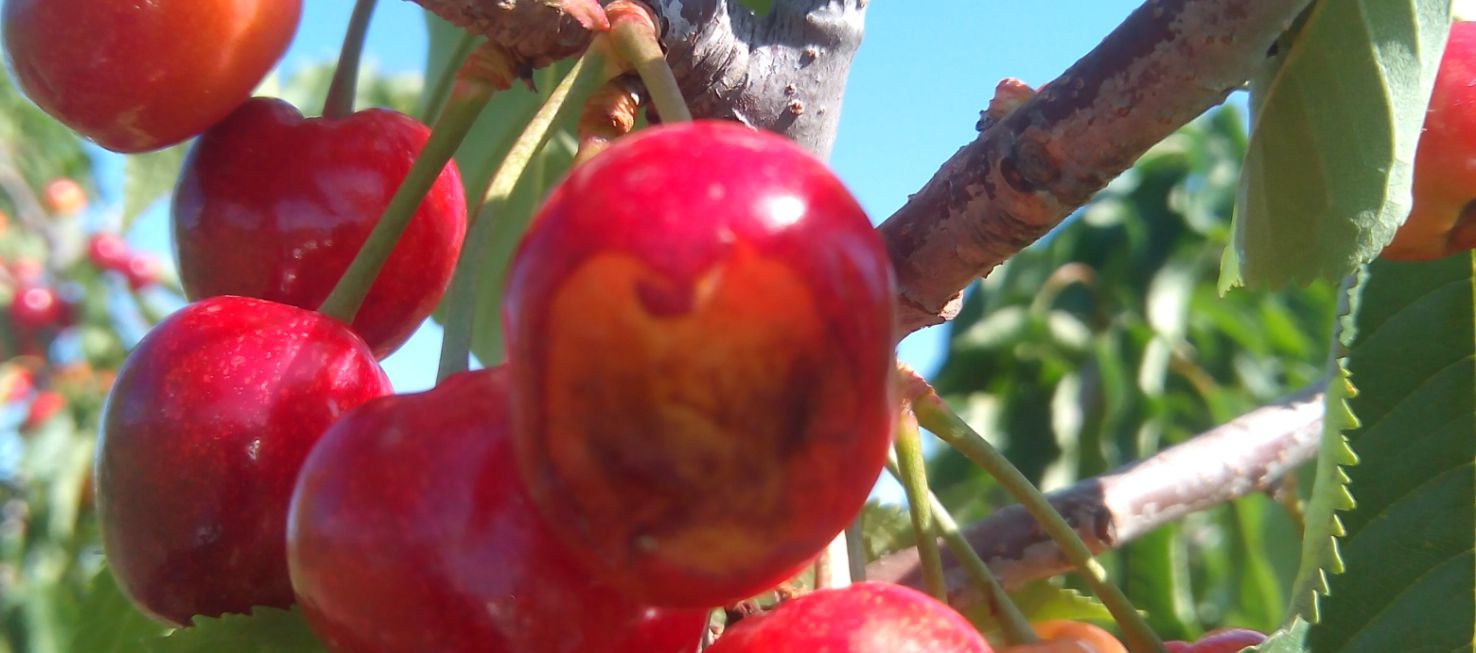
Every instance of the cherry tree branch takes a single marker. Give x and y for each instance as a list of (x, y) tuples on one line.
[(1166, 64), (785, 71), (1249, 454)]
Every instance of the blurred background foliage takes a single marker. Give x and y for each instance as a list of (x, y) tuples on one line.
[(1101, 344)]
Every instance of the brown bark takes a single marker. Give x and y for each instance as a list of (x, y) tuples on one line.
[(1249, 454), (1166, 64)]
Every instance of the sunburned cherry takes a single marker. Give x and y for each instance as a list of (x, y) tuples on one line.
[(275, 206), (136, 76), (202, 437), (409, 531), (700, 330), (862, 618)]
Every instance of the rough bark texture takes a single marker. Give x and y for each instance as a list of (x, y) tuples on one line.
[(785, 72), (1167, 63), (1249, 454), (539, 32)]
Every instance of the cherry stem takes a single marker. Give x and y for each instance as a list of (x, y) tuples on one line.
[(440, 89), (935, 415), (856, 551), (608, 114), (914, 477), (587, 74), (1016, 627), (343, 303), (340, 102), (633, 36)]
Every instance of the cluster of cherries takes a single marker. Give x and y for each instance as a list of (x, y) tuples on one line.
[(38, 312), (697, 400)]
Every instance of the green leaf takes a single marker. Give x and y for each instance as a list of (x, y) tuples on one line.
[(1043, 601), (1156, 579), (1330, 493), (265, 630), (1410, 546), (885, 528), (111, 623), (1326, 180), (1291, 639), (147, 177), (758, 7)]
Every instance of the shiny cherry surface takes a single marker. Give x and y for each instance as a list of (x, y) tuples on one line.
[(203, 434), (275, 206), (862, 618), (137, 76), (409, 531), (700, 330), (1440, 223)]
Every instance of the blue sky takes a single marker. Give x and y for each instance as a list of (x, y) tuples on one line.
[(923, 73)]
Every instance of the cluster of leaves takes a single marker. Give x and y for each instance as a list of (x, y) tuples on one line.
[(1109, 340)]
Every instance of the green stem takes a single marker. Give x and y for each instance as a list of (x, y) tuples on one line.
[(588, 73), (936, 417), (436, 94), (1016, 627), (856, 551), (343, 303), (635, 43), (340, 102), (914, 476)]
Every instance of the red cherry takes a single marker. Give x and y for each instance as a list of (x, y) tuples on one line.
[(36, 307), (700, 331), (204, 431), (862, 618), (137, 76), (45, 406), (1445, 160), (1228, 640), (141, 271), (1176, 646), (107, 251), (63, 196), (409, 531), (275, 206)]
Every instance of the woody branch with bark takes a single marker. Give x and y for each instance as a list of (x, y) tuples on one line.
[(1036, 159)]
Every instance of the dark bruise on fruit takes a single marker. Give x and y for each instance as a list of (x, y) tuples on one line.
[(137, 76), (410, 531), (700, 329), (862, 618), (275, 206), (203, 434)]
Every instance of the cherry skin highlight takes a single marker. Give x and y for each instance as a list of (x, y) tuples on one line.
[(203, 434), (138, 76), (275, 206), (1443, 219), (409, 531), (862, 618), (700, 331)]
